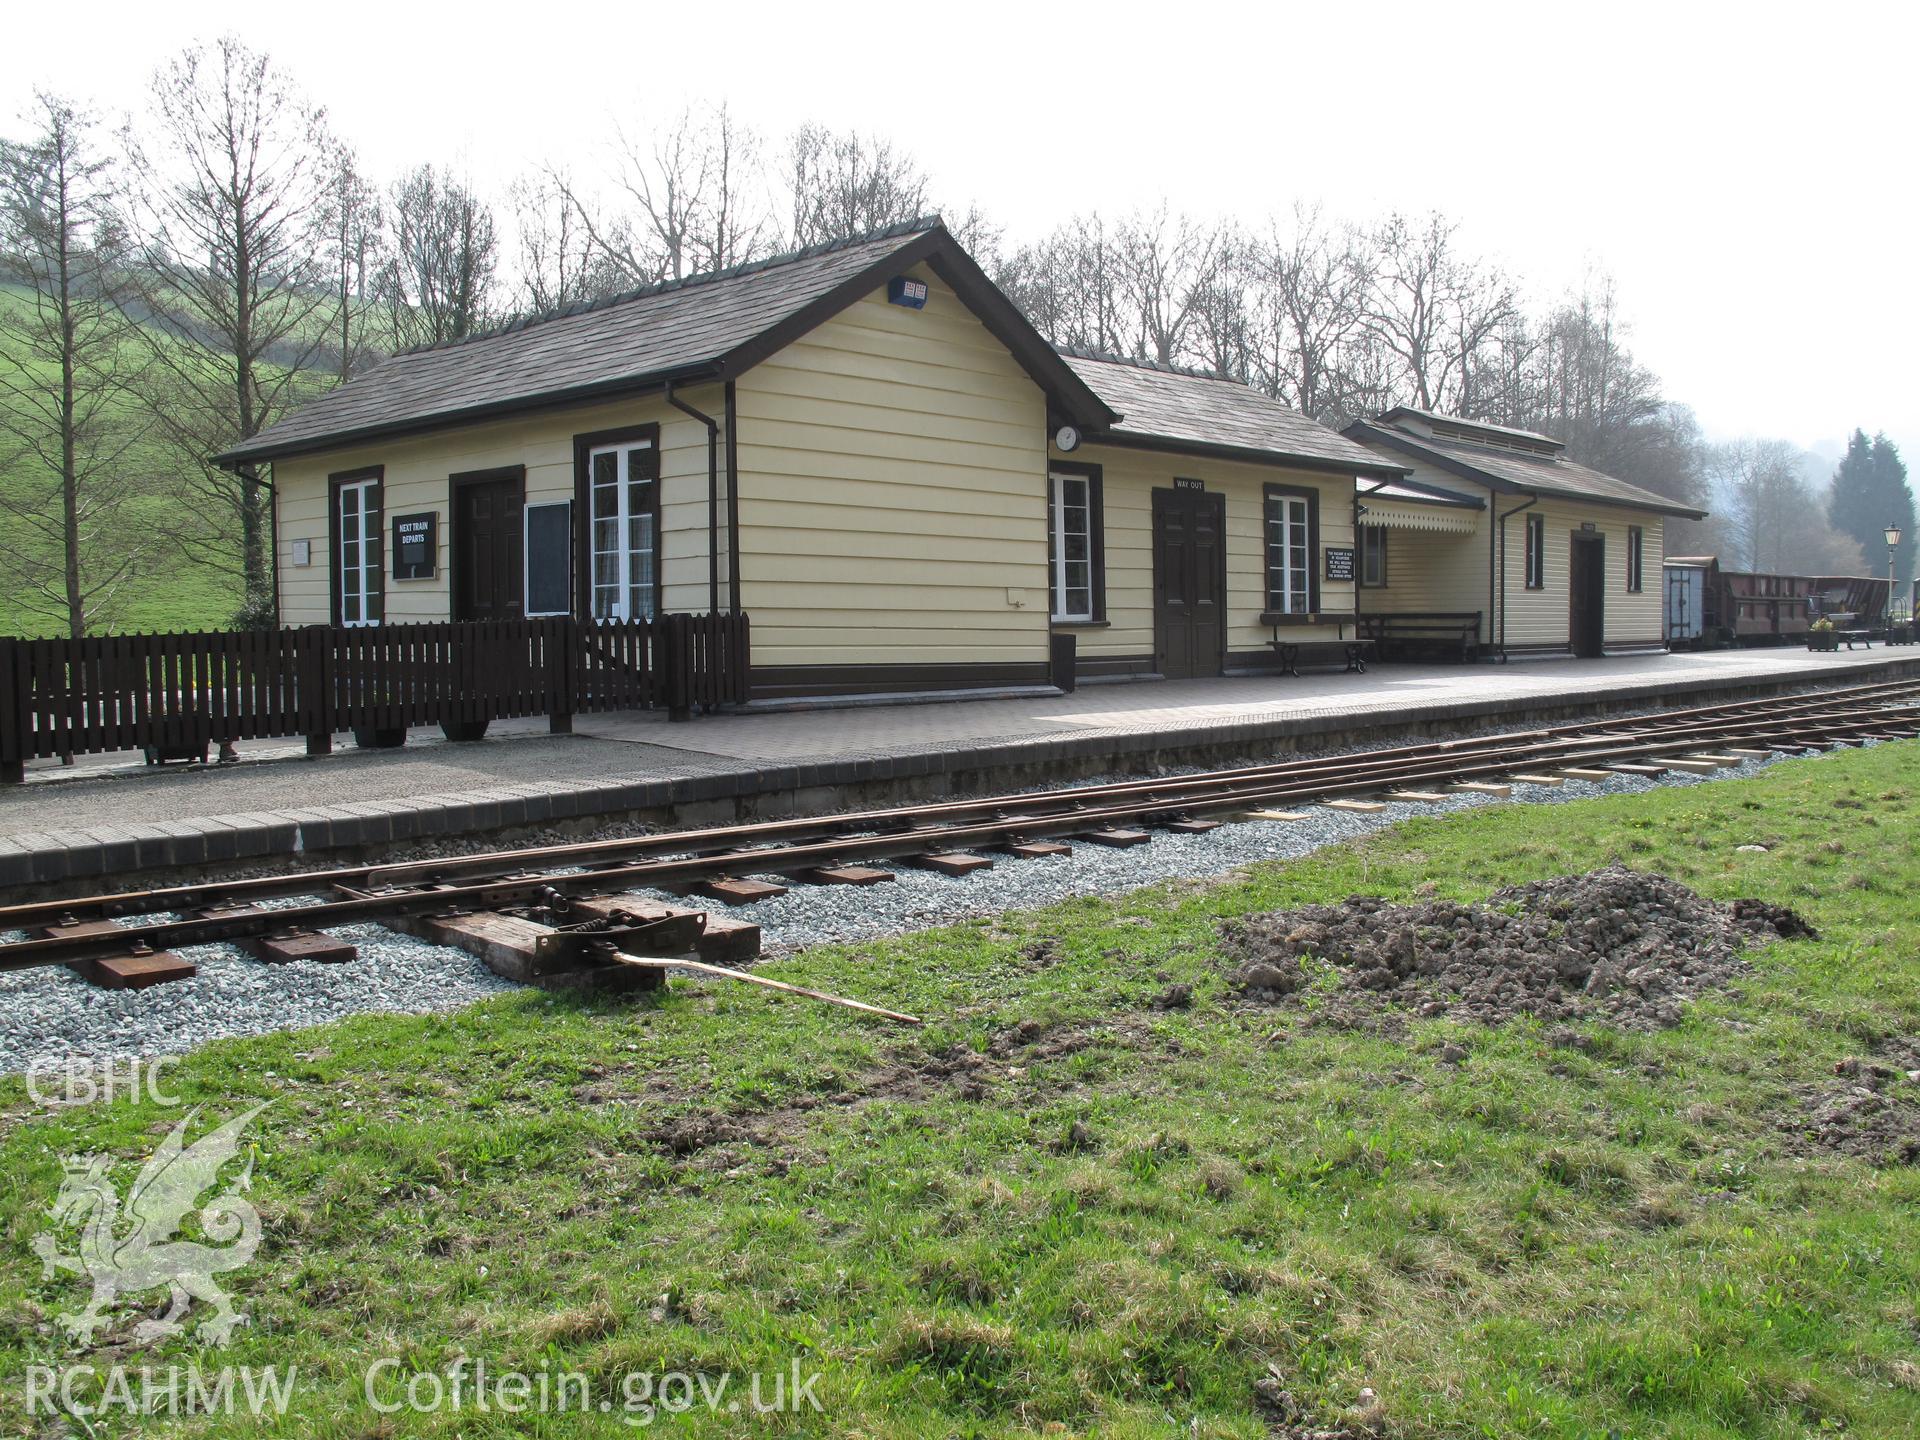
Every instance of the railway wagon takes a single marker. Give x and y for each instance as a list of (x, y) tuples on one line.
[(1708, 605)]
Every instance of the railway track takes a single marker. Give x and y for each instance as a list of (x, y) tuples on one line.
[(563, 890)]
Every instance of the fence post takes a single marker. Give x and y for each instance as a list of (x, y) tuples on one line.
[(677, 639), (316, 687), (13, 714), (562, 640)]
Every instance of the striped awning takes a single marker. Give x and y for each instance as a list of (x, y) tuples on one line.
[(1416, 515)]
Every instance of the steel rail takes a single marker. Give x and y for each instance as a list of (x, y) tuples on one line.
[(1705, 724), (997, 831)]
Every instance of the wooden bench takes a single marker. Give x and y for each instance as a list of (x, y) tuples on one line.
[(1396, 633), (1291, 652)]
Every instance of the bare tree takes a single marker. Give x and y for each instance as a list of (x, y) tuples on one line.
[(233, 282), (1069, 285), (1312, 283), (1162, 263), (1433, 310), (1772, 520), (355, 245), (689, 200), (847, 184), (72, 542), (558, 263), (437, 284)]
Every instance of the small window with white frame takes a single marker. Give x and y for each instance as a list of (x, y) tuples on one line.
[(624, 506), (1073, 572), (1373, 556), (356, 528), (1536, 552)]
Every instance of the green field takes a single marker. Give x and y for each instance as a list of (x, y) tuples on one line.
[(177, 595), (1059, 1209)]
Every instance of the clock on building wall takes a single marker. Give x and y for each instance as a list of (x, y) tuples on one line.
[(1066, 438)]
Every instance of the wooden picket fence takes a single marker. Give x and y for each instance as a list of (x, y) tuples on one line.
[(179, 693)]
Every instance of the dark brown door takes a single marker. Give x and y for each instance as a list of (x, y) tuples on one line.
[(1587, 599), (487, 554), (1189, 582)]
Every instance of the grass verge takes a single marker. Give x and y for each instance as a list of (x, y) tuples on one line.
[(1062, 1210)]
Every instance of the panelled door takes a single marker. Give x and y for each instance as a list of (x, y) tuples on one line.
[(1189, 582), (488, 558), (1587, 595)]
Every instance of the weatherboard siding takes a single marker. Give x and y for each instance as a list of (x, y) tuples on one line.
[(893, 493), (1446, 572), (418, 470), (1128, 480)]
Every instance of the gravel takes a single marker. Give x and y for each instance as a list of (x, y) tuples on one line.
[(50, 1011)]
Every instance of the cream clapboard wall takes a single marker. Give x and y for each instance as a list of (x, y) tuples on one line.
[(893, 493), (1449, 572), (1128, 480), (416, 480)]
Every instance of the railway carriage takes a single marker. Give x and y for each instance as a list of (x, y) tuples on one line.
[(1707, 605)]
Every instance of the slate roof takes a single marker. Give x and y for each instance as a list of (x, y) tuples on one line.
[(1434, 417), (1182, 410), (701, 328), (1511, 472)]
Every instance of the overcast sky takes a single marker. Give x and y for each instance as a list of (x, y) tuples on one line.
[(1745, 172)]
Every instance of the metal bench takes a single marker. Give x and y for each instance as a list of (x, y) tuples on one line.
[(1851, 638), (1291, 652), (1396, 633)]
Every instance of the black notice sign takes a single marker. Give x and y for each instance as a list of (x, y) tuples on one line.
[(1339, 562), (416, 545)]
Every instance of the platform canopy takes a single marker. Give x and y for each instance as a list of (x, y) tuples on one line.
[(1410, 505)]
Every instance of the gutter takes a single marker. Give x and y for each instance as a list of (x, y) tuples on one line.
[(713, 497), (1500, 533)]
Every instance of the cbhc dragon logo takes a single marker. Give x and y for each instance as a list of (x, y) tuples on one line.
[(145, 1256)]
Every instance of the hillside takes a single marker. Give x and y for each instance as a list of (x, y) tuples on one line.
[(179, 595)]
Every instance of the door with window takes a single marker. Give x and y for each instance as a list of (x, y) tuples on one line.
[(1189, 582), (487, 546), (623, 530), (359, 589)]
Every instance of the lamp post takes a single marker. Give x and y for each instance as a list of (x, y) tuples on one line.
[(1893, 544)]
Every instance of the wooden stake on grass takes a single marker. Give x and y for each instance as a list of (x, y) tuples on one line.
[(664, 963)]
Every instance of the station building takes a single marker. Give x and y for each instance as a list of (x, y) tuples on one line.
[(870, 451)]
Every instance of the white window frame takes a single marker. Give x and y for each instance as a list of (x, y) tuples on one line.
[(624, 516), (1534, 562), (1373, 546), (1295, 570), (1057, 483), (360, 579), (526, 560)]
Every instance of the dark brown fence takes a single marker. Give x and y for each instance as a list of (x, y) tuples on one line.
[(181, 693)]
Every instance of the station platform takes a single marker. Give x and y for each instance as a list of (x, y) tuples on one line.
[(89, 823)]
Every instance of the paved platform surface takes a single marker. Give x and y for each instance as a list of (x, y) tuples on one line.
[(98, 819)]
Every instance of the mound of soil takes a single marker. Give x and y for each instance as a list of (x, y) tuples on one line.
[(1871, 1108), (1616, 944)]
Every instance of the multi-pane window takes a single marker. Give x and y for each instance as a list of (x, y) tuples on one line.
[(1073, 580), (1289, 553), (1536, 552), (357, 528), (624, 502), (1636, 543), (1373, 555)]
